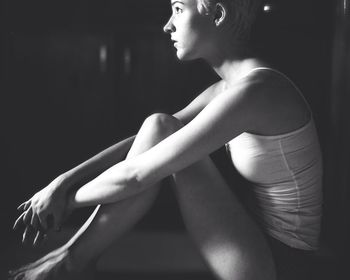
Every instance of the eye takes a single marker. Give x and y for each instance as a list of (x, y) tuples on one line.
[(177, 10)]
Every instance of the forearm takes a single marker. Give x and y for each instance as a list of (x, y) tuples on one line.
[(115, 184), (97, 163)]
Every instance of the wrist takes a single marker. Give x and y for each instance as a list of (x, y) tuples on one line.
[(63, 182), (72, 177)]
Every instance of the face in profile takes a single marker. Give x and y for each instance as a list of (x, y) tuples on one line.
[(190, 31)]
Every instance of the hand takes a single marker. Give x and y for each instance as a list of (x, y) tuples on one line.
[(45, 210)]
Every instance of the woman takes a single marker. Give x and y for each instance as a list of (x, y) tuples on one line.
[(268, 130)]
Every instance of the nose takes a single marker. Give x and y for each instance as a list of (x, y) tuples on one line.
[(169, 26)]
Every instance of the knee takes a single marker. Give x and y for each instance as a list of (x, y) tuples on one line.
[(162, 124)]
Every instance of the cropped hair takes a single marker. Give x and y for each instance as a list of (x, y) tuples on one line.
[(244, 12)]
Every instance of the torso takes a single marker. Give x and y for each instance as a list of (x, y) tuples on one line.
[(281, 158), (283, 108), (278, 152)]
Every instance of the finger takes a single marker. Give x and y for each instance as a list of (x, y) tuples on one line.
[(43, 222), (39, 237), (43, 237), (34, 222), (28, 235), (27, 205), (28, 216), (25, 235), (18, 221), (21, 207), (36, 240)]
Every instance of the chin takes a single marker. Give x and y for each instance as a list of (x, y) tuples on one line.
[(184, 56)]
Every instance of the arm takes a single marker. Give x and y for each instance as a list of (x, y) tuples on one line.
[(52, 200), (226, 116), (199, 103), (115, 153), (97, 163)]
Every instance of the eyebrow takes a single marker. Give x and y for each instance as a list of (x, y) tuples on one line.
[(174, 2)]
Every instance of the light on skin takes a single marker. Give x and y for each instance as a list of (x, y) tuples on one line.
[(209, 36), (219, 115), (190, 30), (197, 35)]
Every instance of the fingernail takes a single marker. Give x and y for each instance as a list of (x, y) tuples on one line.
[(24, 239), (15, 225)]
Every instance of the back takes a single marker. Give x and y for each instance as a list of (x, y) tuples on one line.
[(286, 176)]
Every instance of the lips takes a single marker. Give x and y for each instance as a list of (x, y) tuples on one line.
[(174, 42)]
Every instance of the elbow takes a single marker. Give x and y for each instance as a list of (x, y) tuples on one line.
[(135, 183), (119, 182), (140, 177), (138, 174)]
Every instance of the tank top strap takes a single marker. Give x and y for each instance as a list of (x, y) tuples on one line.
[(288, 79)]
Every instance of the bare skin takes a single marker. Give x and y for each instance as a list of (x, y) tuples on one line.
[(215, 209), (178, 146), (113, 220), (107, 221)]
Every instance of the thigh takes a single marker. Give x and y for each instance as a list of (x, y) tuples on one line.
[(226, 235), (202, 189)]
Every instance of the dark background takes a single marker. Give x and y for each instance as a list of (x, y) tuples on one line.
[(77, 76)]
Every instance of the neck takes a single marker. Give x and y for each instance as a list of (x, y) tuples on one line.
[(232, 61)]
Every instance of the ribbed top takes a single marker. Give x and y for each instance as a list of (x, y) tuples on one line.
[(286, 174)]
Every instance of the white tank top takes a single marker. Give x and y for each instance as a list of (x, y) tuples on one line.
[(286, 174)]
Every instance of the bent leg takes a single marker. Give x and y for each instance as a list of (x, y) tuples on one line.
[(108, 222), (112, 220), (227, 237)]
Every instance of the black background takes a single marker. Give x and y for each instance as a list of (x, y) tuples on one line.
[(61, 104)]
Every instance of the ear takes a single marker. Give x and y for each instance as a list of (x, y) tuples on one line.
[(220, 13)]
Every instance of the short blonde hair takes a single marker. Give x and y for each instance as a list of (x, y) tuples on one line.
[(245, 12)]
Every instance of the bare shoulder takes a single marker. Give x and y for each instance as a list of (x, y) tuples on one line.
[(200, 102), (212, 91), (277, 103)]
